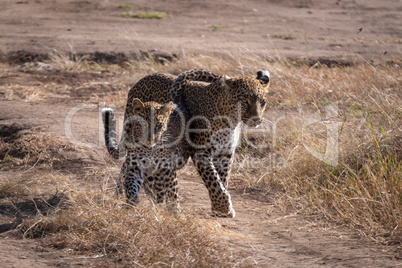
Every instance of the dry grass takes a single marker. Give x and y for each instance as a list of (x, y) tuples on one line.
[(13, 187), (364, 190), (88, 221), (26, 149), (95, 223), (32, 93)]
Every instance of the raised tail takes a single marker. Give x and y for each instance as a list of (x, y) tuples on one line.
[(194, 75), (109, 123)]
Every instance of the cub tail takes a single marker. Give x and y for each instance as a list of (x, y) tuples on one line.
[(109, 123)]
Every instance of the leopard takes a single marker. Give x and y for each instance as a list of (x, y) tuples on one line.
[(138, 128), (154, 151), (215, 107), (217, 110), (151, 161)]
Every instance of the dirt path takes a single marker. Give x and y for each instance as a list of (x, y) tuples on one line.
[(285, 240), (338, 30), (267, 237)]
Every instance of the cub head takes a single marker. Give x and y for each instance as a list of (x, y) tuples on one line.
[(250, 93), (147, 122)]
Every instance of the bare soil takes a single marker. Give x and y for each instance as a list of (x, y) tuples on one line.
[(338, 31)]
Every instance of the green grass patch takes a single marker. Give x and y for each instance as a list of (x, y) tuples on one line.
[(146, 15), (284, 36), (125, 6), (217, 27)]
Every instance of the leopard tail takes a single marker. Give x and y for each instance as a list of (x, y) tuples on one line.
[(109, 123), (193, 75)]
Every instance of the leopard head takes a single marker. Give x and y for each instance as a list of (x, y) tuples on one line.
[(250, 94), (147, 123)]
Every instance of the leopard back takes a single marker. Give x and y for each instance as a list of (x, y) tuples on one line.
[(240, 97)]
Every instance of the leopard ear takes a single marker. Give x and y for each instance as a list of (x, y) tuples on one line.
[(227, 81), (263, 76), (138, 106), (168, 107)]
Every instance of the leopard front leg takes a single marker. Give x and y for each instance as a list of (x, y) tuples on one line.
[(220, 197), (171, 191), (133, 181), (223, 165)]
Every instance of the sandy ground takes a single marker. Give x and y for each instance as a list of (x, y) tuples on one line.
[(272, 29), (336, 29)]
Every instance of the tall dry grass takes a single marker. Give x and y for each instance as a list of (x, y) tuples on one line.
[(27, 148), (91, 221), (95, 223), (363, 191)]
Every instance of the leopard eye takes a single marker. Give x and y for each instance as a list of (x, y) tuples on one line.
[(158, 127)]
